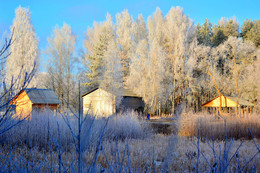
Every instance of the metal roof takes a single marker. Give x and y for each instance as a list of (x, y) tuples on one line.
[(42, 96), (241, 101)]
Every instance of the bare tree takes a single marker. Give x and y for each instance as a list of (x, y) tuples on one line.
[(61, 50)]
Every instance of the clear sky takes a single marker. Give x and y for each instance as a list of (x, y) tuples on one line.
[(80, 14)]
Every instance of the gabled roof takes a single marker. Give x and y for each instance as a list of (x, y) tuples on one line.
[(42, 96), (242, 102), (123, 92), (39, 96), (232, 99)]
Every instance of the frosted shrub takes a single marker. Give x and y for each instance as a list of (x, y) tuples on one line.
[(40, 129), (119, 126), (126, 125)]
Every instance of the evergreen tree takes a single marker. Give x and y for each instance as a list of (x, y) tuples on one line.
[(225, 29), (231, 28), (204, 33), (254, 33), (247, 25), (96, 43)]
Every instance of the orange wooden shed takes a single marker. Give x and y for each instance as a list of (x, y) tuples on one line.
[(34, 99), (229, 102)]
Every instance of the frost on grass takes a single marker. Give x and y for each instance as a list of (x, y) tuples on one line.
[(125, 144)]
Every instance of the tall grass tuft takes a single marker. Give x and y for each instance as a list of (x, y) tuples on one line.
[(209, 126)]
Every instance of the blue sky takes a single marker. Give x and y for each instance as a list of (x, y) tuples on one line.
[(80, 14)]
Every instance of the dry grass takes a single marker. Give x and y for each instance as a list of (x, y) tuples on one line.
[(125, 147), (211, 126), (158, 152)]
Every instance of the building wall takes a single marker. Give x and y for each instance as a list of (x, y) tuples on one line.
[(99, 103), (133, 103), (43, 107), (225, 102), (23, 105)]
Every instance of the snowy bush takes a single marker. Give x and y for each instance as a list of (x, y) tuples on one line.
[(39, 129), (126, 125)]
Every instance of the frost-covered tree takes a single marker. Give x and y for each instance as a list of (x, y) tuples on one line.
[(5, 52), (204, 33), (247, 25), (140, 29), (149, 75), (61, 53), (205, 75), (125, 39), (254, 33), (155, 26), (224, 29), (250, 87), (96, 45), (232, 76), (179, 33), (231, 27), (238, 55), (24, 55), (112, 79)]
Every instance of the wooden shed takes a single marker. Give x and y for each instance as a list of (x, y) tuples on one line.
[(101, 102), (34, 99), (229, 102)]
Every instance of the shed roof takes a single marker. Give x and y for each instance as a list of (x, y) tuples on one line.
[(233, 99), (42, 96), (242, 102), (124, 92)]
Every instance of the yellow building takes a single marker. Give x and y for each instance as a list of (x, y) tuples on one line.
[(34, 99), (228, 102)]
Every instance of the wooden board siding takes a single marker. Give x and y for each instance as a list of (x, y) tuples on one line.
[(99, 103), (134, 103), (23, 105), (30, 101), (42, 107)]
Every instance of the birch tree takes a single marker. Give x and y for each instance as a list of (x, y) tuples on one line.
[(61, 53), (179, 33), (140, 29), (149, 74), (24, 55), (155, 25), (113, 74), (125, 39)]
